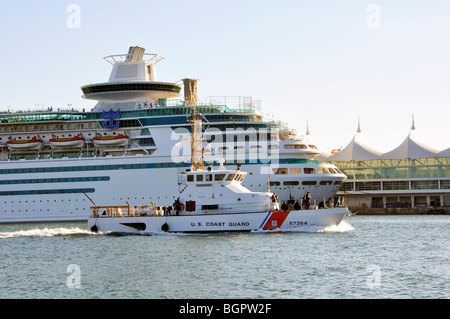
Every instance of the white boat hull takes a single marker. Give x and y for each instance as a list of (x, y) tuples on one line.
[(238, 222), (67, 144), (113, 142), (25, 146)]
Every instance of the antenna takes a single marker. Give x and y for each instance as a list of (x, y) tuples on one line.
[(413, 127), (196, 141)]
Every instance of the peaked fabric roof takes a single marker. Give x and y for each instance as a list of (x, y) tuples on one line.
[(412, 147), (445, 153), (357, 150)]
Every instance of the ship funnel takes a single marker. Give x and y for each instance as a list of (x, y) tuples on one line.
[(135, 54), (190, 92)]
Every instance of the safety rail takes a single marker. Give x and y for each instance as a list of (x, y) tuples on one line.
[(126, 211)]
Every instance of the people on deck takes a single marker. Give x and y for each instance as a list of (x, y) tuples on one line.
[(307, 200)]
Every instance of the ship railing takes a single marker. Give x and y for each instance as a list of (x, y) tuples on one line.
[(243, 104), (125, 211)]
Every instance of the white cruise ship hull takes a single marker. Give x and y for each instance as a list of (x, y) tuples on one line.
[(245, 222), (54, 190)]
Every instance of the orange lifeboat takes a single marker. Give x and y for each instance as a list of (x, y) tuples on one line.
[(114, 140), (77, 141), (31, 144)]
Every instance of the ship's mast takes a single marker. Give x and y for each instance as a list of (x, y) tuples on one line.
[(196, 141)]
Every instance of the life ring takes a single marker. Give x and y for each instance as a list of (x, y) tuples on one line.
[(165, 227), (181, 206)]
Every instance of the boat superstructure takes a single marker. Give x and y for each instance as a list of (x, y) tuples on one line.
[(53, 162)]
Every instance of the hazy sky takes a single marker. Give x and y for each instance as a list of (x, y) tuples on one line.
[(325, 62)]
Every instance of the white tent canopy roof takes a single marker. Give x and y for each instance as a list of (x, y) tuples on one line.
[(357, 150), (445, 153), (412, 148)]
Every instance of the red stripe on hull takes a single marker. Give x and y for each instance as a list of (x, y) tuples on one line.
[(276, 220)]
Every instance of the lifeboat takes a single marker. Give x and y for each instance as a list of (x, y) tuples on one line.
[(32, 144), (114, 140), (68, 142)]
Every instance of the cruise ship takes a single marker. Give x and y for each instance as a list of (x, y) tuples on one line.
[(134, 143)]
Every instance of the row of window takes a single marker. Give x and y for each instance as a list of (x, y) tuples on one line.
[(305, 183), (306, 170), (131, 87), (398, 172), (395, 185), (216, 177), (299, 146), (136, 166), (157, 111), (55, 180), (240, 176), (392, 163), (87, 168), (48, 191)]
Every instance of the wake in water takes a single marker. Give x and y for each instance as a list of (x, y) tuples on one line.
[(341, 228), (46, 232)]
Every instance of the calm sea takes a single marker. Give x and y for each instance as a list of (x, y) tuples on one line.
[(364, 257)]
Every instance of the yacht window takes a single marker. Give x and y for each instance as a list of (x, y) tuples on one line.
[(274, 183), (309, 183), (199, 178), (273, 146), (219, 177), (313, 146), (295, 146), (296, 170), (208, 177), (190, 178), (332, 171), (322, 170), (280, 170), (290, 183), (230, 177), (309, 170), (326, 182)]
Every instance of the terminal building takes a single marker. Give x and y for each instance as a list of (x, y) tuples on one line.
[(411, 175)]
